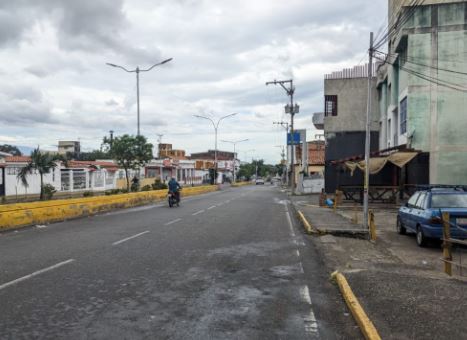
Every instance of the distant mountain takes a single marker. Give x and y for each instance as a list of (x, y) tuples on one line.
[(25, 150)]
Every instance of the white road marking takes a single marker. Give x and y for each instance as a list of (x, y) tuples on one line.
[(41, 226), (174, 221), (198, 212), (212, 207), (220, 204), (292, 232), (129, 238), (11, 283), (301, 268), (297, 252), (311, 325)]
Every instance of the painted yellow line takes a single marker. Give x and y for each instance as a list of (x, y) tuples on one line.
[(366, 326)]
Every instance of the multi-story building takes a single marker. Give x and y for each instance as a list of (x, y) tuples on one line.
[(344, 123), (422, 88), (65, 147), (166, 151)]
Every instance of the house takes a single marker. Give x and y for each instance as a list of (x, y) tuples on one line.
[(422, 90), (13, 186), (344, 123), (88, 176), (226, 161)]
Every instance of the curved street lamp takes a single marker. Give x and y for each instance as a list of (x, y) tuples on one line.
[(235, 160), (216, 127), (137, 70)]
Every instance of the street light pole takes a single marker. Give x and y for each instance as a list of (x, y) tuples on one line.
[(137, 71), (292, 110), (234, 145), (216, 127)]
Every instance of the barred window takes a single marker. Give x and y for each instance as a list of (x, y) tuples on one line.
[(79, 179), (403, 115), (330, 105)]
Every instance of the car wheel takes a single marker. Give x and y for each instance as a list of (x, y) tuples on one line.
[(421, 238), (400, 228)]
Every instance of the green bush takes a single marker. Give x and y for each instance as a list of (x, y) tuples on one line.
[(146, 188), (49, 191), (112, 192), (88, 194), (158, 185)]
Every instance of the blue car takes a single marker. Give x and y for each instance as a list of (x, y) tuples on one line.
[(422, 214)]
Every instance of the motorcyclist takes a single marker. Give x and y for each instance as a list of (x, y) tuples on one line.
[(175, 187)]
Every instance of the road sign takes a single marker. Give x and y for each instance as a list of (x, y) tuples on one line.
[(296, 139)]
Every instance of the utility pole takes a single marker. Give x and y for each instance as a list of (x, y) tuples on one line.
[(137, 71), (286, 126), (292, 110), (111, 138), (284, 163), (366, 184)]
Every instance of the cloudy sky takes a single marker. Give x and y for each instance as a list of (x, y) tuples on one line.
[(56, 86)]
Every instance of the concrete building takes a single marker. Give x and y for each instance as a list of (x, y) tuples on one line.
[(344, 121), (65, 147), (422, 89), (166, 151), (225, 163)]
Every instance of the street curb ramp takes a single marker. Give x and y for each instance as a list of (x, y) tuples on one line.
[(43, 212), (366, 326)]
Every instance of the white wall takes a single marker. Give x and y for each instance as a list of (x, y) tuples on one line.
[(14, 186)]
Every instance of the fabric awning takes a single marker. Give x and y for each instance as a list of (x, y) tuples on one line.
[(377, 164)]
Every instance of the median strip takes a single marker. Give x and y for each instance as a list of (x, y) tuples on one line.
[(365, 324), (55, 266)]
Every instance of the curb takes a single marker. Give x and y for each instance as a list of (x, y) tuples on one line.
[(308, 228), (366, 326), (19, 215)]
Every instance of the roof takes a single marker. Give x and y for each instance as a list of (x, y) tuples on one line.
[(17, 159), (81, 164)]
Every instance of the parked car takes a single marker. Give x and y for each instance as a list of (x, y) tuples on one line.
[(259, 181), (422, 214)]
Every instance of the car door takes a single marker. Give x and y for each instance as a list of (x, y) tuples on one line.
[(418, 211), (406, 211)]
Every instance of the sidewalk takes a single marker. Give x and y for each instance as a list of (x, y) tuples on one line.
[(401, 286)]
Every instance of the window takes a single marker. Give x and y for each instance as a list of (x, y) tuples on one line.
[(413, 200), (330, 106), (403, 118), (79, 179), (13, 171), (65, 180), (421, 202), (449, 201)]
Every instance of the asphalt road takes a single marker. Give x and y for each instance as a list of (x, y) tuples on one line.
[(232, 264)]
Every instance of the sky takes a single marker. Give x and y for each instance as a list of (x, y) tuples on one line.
[(56, 84)]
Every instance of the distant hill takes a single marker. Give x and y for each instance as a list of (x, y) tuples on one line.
[(25, 150)]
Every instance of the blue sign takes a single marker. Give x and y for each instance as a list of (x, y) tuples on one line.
[(296, 139)]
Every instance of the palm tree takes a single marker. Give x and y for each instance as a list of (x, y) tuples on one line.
[(42, 163)]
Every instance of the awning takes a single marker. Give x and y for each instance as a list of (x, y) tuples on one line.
[(377, 164)]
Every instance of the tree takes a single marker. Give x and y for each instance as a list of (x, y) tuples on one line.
[(10, 149), (130, 152), (256, 167), (41, 162)]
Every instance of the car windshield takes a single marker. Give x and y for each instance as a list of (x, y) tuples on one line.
[(449, 201)]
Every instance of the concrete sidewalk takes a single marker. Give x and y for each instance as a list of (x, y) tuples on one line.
[(400, 286), (325, 220)]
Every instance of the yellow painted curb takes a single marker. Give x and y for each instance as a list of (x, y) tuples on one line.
[(366, 326), (306, 224), (240, 184), (23, 214)]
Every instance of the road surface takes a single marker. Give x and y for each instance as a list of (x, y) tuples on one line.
[(232, 264)]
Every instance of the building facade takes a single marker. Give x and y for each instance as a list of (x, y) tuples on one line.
[(422, 87), (344, 123)]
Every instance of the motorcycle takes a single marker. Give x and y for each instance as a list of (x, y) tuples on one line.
[(173, 199)]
